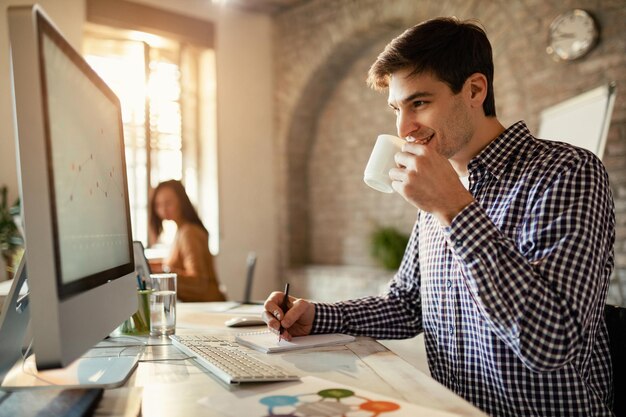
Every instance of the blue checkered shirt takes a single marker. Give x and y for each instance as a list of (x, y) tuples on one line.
[(511, 296)]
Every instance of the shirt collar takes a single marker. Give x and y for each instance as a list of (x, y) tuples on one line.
[(502, 150)]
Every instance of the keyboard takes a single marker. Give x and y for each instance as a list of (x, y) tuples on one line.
[(228, 361)]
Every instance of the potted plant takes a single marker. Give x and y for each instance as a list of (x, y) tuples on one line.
[(387, 246), (11, 242)]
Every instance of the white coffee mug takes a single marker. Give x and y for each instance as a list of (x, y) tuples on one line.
[(381, 160)]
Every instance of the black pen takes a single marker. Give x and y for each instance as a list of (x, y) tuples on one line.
[(284, 306)]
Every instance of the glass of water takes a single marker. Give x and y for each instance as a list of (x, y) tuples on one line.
[(163, 304)]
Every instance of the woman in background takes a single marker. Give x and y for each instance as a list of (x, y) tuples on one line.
[(190, 257)]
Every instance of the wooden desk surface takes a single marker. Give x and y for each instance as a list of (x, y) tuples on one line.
[(173, 388)]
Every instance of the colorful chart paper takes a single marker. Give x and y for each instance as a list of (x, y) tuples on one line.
[(313, 397)]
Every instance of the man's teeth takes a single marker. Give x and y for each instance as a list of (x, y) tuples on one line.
[(421, 141), (425, 139)]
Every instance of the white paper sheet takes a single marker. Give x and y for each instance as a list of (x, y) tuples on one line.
[(268, 342)]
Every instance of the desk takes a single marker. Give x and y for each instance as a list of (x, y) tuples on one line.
[(173, 388)]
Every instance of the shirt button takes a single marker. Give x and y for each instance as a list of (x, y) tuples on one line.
[(449, 283), (452, 379), (458, 242), (451, 330)]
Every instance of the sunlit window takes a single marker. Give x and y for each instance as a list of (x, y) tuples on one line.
[(148, 73)]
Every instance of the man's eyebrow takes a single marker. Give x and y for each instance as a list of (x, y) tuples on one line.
[(418, 94)]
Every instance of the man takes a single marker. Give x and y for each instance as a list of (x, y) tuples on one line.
[(507, 268)]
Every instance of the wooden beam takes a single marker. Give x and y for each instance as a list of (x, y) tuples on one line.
[(134, 16)]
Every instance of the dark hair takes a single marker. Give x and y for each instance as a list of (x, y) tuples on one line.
[(188, 212), (450, 49)]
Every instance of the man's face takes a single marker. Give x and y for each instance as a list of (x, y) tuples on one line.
[(427, 110)]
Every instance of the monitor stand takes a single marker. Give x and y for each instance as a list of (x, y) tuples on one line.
[(19, 373)]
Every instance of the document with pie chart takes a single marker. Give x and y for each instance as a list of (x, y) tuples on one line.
[(313, 396)]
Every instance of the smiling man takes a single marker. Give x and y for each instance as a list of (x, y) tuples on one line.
[(508, 265)]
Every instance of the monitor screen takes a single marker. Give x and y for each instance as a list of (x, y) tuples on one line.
[(86, 157), (74, 193)]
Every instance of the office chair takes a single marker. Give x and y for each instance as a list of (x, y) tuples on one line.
[(250, 264), (616, 324)]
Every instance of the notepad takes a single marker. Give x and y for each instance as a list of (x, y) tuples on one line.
[(267, 342)]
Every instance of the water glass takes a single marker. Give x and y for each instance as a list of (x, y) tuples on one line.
[(163, 304)]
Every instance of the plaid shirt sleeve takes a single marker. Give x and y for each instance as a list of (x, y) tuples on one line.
[(538, 291), (393, 315)]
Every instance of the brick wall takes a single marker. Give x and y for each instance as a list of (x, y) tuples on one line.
[(327, 119)]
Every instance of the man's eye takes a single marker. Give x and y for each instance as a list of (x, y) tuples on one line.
[(418, 103)]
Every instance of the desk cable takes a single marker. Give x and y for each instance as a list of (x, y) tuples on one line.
[(27, 352), (25, 355), (143, 344)]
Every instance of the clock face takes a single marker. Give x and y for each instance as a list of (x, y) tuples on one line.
[(572, 35)]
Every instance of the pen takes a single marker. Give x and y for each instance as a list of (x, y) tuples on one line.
[(139, 283), (284, 306)]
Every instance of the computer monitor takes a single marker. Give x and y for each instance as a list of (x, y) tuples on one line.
[(74, 194)]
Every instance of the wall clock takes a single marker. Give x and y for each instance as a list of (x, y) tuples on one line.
[(572, 34)]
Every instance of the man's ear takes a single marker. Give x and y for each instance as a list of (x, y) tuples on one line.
[(477, 89)]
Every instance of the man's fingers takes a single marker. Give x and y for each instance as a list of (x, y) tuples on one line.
[(273, 325), (286, 336), (299, 314), (272, 307), (297, 310), (271, 321), (268, 317), (272, 304), (397, 174)]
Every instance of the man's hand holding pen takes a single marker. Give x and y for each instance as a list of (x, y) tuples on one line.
[(288, 316)]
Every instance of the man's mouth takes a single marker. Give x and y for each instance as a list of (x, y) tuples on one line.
[(422, 141)]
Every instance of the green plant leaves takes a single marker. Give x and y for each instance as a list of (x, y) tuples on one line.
[(387, 246)]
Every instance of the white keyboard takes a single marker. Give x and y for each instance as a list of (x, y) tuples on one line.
[(228, 361)]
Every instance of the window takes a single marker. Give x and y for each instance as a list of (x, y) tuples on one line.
[(160, 88)]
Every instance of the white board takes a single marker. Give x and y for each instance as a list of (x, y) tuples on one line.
[(582, 121)]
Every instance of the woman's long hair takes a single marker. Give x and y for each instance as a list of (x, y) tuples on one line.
[(188, 212)]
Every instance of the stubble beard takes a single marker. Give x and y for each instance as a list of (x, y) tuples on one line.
[(459, 134)]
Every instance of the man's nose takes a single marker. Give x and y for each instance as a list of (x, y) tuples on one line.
[(406, 123)]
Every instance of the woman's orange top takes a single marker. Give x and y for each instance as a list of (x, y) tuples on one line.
[(192, 261)]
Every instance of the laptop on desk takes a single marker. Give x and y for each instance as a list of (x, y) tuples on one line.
[(250, 266), (142, 267)]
